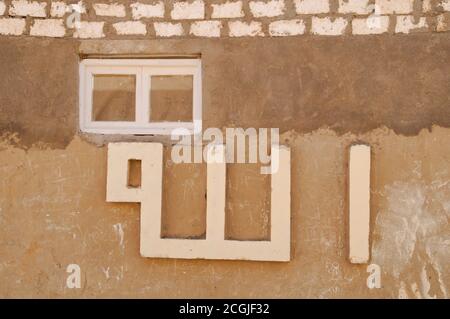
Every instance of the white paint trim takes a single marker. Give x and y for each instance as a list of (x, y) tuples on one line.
[(359, 203), (215, 246), (140, 68)]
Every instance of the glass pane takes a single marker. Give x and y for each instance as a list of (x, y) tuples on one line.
[(171, 98), (114, 97)]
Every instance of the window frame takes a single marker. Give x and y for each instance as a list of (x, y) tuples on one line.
[(143, 69)]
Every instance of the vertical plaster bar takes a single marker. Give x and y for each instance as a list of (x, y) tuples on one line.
[(151, 202), (281, 201), (215, 190), (359, 203)]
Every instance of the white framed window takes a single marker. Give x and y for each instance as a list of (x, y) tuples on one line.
[(141, 96)]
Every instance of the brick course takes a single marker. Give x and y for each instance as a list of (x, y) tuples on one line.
[(221, 18)]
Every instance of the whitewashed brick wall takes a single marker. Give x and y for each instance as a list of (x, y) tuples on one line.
[(2, 7), (48, 28), (271, 8), (395, 6), (375, 25), (221, 18), (185, 10), (168, 29), (109, 10), (209, 29), (312, 6), (58, 9), (244, 29), (287, 28), (90, 30), (130, 27), (354, 6), (406, 24), (12, 26), (229, 9), (327, 26), (143, 10)]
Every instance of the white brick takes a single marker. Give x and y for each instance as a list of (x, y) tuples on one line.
[(12, 26), (208, 29), (166, 29), (371, 25), (48, 28), (110, 10), (184, 10), (354, 6), (287, 27), (427, 5), (25, 8), (130, 27), (325, 26), (142, 10), (58, 9), (445, 5), (227, 10), (242, 29), (394, 6), (2, 7), (271, 8), (405, 24), (89, 30), (443, 23), (312, 6)]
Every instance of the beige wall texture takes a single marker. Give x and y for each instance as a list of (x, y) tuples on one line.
[(325, 94)]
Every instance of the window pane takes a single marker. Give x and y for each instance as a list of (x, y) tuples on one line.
[(171, 98), (114, 97)]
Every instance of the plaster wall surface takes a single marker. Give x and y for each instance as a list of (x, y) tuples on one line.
[(324, 94)]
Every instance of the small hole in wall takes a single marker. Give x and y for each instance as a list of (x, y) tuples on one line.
[(134, 173)]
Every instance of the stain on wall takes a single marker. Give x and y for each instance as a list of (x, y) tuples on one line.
[(39, 90)]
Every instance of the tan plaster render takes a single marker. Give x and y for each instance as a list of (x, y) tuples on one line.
[(54, 213), (346, 84)]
